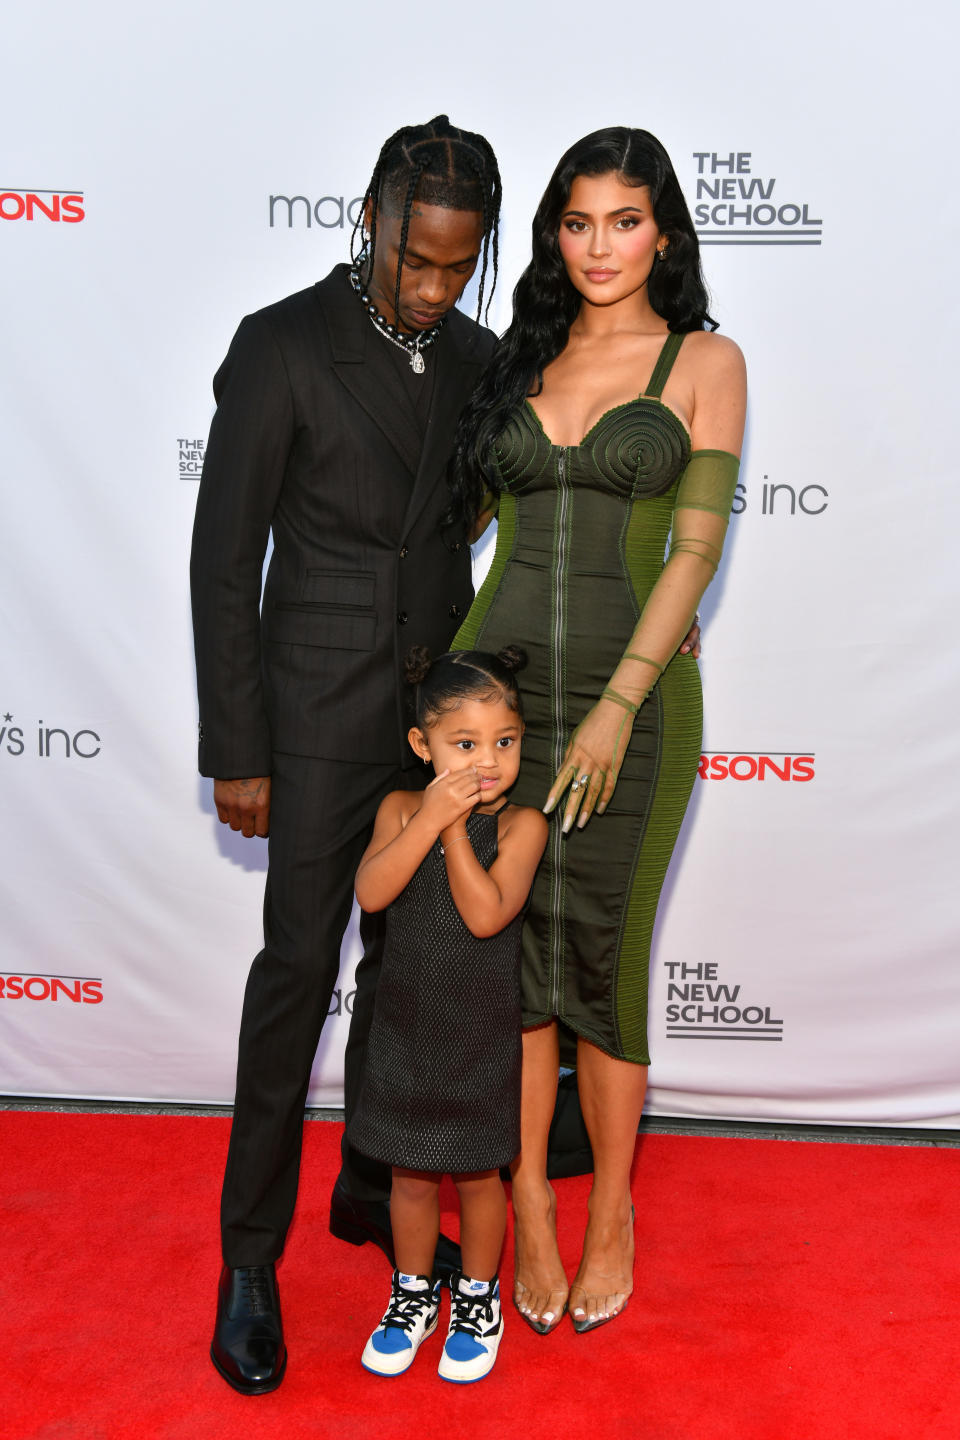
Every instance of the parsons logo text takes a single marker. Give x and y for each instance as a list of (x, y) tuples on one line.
[(78, 989), (65, 206), (716, 766)]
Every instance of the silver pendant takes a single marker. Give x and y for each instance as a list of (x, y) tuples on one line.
[(416, 362)]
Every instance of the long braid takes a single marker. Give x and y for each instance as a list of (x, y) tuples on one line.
[(438, 164), (372, 191), (487, 163), (417, 170), (491, 206)]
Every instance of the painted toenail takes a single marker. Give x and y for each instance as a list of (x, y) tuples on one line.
[(548, 1315)]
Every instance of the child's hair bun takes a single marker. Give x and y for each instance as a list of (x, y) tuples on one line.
[(512, 658), (416, 664)]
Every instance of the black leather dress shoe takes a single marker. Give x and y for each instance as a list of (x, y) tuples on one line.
[(248, 1348), (358, 1221)]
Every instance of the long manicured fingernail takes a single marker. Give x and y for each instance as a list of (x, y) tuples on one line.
[(566, 825)]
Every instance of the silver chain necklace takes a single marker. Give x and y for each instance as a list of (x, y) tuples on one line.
[(410, 344)]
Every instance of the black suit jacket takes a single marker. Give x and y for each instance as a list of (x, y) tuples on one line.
[(315, 439)]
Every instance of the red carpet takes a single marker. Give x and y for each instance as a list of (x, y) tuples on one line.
[(785, 1291)]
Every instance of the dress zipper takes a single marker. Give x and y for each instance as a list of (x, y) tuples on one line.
[(559, 718)]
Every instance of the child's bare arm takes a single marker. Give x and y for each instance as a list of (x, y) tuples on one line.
[(489, 899), (407, 825), (396, 849)]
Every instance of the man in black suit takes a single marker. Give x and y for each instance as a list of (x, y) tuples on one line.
[(336, 413)]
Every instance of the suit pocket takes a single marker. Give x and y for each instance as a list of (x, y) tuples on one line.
[(323, 625), (354, 589)]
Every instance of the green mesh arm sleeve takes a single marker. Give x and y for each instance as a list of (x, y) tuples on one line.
[(700, 515)]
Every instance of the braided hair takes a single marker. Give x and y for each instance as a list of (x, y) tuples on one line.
[(437, 164)]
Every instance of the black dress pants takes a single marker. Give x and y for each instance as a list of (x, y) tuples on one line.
[(321, 815)]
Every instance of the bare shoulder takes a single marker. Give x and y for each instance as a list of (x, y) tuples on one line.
[(399, 807), (524, 821), (715, 355), (718, 378)]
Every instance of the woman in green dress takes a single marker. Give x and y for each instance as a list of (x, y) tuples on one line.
[(608, 423)]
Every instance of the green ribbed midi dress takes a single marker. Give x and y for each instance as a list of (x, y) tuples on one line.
[(582, 534)]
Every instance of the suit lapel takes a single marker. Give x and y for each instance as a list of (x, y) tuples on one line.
[(377, 390), (459, 366)]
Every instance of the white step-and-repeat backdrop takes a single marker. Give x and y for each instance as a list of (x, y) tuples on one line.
[(166, 170)]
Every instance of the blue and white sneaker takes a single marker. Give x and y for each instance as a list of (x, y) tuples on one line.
[(410, 1317), (476, 1327)]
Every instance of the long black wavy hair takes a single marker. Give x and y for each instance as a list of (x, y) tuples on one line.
[(545, 302), (437, 164)]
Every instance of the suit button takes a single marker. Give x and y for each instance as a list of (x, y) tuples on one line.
[(454, 612), (404, 552), (402, 618), (458, 546)]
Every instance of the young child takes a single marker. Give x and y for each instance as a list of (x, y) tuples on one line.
[(453, 866)]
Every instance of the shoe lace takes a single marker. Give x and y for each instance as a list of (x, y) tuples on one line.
[(256, 1285), (406, 1307), (472, 1314)]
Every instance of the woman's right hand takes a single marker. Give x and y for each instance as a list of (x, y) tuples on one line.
[(591, 765), (450, 798)]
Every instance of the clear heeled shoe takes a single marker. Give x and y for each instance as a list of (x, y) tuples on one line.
[(593, 1322), (581, 1326), (538, 1325)]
